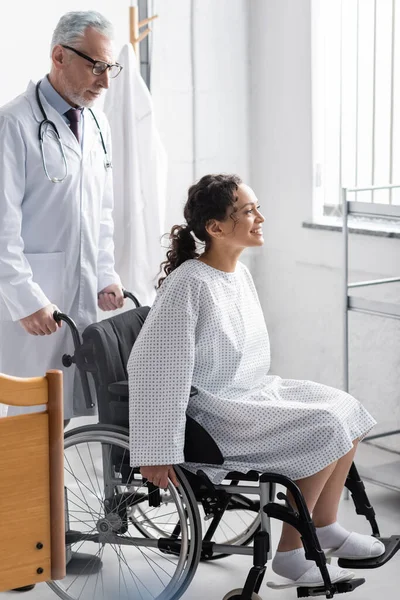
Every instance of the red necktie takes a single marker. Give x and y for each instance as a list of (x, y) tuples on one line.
[(74, 116)]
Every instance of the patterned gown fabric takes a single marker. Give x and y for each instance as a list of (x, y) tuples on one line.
[(206, 329)]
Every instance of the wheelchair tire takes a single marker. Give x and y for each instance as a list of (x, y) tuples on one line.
[(100, 491)]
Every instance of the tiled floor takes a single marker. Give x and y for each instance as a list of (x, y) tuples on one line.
[(214, 580)]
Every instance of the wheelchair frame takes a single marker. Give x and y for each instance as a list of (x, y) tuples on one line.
[(215, 500)]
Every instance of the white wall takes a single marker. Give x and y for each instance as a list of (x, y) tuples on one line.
[(298, 272), (200, 91), (202, 115), (246, 108), (25, 33)]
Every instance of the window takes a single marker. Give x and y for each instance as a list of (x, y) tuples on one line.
[(356, 100)]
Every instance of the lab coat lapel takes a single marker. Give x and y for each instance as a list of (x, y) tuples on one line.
[(67, 137)]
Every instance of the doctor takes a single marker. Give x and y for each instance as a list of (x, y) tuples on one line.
[(56, 228)]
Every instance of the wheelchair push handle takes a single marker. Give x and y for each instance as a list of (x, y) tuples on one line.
[(132, 297), (60, 316)]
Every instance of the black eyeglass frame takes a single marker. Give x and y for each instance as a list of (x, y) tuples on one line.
[(95, 62)]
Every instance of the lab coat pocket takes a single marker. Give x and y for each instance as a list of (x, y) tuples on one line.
[(48, 270)]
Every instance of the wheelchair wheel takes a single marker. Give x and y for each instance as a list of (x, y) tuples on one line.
[(101, 490)]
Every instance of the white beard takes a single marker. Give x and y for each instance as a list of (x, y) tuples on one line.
[(79, 100), (76, 98)]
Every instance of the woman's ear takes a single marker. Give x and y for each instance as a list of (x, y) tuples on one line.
[(214, 228)]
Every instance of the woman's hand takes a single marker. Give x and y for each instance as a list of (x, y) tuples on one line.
[(159, 475)]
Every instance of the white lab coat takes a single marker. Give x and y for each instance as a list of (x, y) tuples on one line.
[(140, 179), (56, 240)]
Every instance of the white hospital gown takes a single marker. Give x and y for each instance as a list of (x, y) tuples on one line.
[(206, 329)]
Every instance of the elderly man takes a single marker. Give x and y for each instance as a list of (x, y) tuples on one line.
[(56, 228)]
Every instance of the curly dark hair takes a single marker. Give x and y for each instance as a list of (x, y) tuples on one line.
[(208, 199)]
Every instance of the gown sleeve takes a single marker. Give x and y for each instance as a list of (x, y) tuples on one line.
[(160, 371)]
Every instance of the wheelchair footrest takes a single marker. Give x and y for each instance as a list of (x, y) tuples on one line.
[(392, 545), (338, 588)]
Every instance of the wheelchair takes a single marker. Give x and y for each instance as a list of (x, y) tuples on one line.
[(146, 543)]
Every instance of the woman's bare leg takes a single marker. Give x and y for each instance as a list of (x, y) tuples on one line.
[(326, 509), (322, 492), (311, 488)]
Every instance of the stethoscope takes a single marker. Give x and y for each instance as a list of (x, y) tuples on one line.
[(44, 127)]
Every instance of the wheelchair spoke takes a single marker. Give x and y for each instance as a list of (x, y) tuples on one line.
[(124, 499), (134, 577), (151, 562), (94, 469), (123, 576), (82, 570), (99, 573), (89, 509), (239, 514), (224, 525), (165, 557), (109, 558), (150, 519), (76, 520), (89, 479), (83, 499), (79, 481), (102, 579), (75, 504)]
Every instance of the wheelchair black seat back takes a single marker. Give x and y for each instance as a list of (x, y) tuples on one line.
[(106, 348), (196, 521)]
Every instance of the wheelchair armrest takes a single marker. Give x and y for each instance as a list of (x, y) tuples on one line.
[(121, 388)]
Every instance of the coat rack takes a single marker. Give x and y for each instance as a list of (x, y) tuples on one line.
[(134, 28)]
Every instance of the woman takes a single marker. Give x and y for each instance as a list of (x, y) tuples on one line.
[(206, 329)]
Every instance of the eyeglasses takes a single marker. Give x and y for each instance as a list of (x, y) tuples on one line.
[(99, 66)]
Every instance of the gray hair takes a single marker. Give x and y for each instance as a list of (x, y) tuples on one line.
[(71, 27)]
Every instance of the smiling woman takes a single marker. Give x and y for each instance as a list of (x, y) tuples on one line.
[(223, 213), (206, 331)]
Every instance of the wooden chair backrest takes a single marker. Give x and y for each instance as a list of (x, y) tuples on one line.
[(32, 518)]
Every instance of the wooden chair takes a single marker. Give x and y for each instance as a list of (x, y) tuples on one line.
[(32, 520)]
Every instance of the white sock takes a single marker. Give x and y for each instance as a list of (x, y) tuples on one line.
[(332, 536), (292, 564)]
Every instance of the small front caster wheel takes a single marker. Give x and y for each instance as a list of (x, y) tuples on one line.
[(235, 595)]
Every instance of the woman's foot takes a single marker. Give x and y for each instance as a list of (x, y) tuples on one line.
[(336, 541), (294, 565)]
